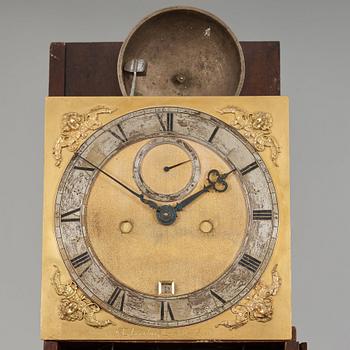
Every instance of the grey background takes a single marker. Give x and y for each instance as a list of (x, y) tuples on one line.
[(315, 59)]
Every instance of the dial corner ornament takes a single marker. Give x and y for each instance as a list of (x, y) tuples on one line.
[(75, 127), (232, 190), (74, 306), (256, 127), (257, 306)]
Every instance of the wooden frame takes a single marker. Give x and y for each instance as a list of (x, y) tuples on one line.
[(89, 69)]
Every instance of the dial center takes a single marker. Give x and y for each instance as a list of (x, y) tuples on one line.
[(159, 248), (166, 215)]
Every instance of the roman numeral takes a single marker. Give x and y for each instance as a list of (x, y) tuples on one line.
[(250, 263), (262, 214), (161, 122), (121, 138), (169, 121), (162, 310), (217, 296), (249, 168), (81, 274), (80, 259), (65, 217), (84, 168), (211, 138), (122, 132), (121, 308), (115, 296), (166, 308)]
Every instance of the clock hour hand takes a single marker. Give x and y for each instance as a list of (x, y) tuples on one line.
[(215, 180), (190, 199), (140, 196)]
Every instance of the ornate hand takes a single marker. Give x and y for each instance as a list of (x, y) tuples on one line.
[(215, 180), (140, 196)]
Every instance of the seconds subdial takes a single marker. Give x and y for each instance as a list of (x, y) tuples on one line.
[(158, 157)]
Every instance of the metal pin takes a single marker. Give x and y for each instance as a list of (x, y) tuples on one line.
[(137, 65)]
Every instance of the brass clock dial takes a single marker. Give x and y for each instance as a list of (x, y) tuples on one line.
[(178, 251)]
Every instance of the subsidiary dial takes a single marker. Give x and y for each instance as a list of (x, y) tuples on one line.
[(166, 169)]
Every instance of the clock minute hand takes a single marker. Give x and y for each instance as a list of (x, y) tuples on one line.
[(140, 196), (218, 183), (150, 203)]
